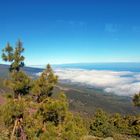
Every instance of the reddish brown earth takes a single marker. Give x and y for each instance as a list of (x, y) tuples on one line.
[(2, 100)]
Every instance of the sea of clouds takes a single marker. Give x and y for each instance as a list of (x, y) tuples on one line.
[(123, 83)]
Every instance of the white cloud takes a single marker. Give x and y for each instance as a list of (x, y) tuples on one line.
[(121, 83)]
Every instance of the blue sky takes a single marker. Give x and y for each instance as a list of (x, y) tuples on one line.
[(72, 31)]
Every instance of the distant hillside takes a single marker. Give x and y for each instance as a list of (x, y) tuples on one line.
[(3, 70), (4, 74), (86, 100), (28, 70)]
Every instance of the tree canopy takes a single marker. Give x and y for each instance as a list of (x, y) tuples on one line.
[(136, 99)]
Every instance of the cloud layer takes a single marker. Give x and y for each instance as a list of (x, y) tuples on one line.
[(121, 83)]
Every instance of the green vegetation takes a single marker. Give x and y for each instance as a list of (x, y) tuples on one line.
[(35, 113), (107, 125), (44, 85), (136, 99)]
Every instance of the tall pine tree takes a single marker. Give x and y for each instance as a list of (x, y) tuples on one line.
[(18, 81), (44, 85)]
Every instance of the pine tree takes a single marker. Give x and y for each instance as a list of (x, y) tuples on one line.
[(56, 122), (136, 99), (101, 125), (44, 85), (20, 84), (18, 81), (14, 56)]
